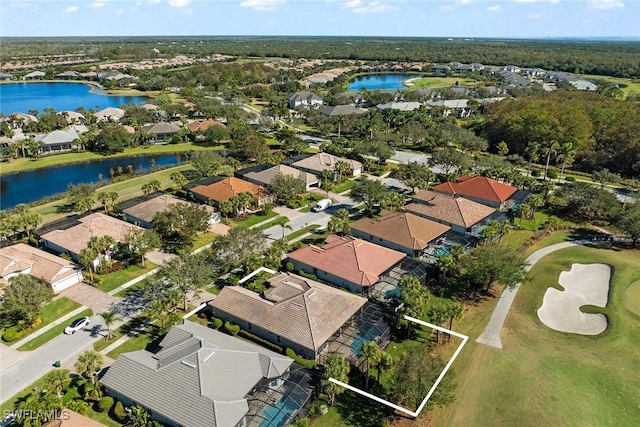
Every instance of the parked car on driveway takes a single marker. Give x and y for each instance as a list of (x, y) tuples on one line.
[(77, 325)]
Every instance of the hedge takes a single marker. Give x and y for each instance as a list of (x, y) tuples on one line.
[(217, 322), (15, 333), (119, 413), (307, 363), (251, 337), (231, 328), (302, 273), (289, 266)]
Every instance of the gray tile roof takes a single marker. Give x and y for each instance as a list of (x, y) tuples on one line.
[(200, 377), (58, 137)]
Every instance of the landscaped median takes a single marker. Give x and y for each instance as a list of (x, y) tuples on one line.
[(51, 333)]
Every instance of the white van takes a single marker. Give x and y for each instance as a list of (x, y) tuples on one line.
[(322, 205)]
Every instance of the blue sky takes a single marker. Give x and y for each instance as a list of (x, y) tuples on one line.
[(422, 18)]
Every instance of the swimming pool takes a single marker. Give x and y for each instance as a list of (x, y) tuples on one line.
[(370, 335), (276, 415)]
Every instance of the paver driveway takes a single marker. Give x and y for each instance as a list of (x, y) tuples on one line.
[(91, 297)]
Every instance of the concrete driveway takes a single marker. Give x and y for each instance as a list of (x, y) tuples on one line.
[(91, 297)]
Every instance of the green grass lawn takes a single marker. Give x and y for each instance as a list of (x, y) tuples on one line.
[(436, 82), (345, 186), (204, 239), (139, 342), (120, 277), (55, 310), (276, 221), (23, 164), (301, 232), (627, 85), (52, 333), (126, 190), (253, 219), (543, 377)]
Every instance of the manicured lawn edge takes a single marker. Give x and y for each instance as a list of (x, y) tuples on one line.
[(119, 278)]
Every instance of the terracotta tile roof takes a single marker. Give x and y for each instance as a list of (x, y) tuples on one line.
[(298, 309), (222, 191), (204, 125), (454, 210), (146, 210), (479, 187), (348, 258), (404, 229), (19, 258), (162, 128), (75, 239)]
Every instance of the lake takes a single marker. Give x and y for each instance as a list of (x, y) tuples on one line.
[(34, 185), (381, 81), (61, 96)]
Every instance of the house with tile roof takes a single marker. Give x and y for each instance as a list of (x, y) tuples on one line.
[(319, 162), (34, 75), (223, 190), (109, 114), (142, 213), (24, 259), (204, 125), (5, 76), (342, 110), (202, 377), (304, 99), (480, 189), (294, 312), (74, 239), (460, 213), (162, 131), (264, 174), (400, 231), (58, 140), (347, 262)]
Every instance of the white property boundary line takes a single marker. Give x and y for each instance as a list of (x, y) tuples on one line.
[(413, 414)]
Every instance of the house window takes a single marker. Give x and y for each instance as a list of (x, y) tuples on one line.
[(278, 339), (249, 326), (315, 271)]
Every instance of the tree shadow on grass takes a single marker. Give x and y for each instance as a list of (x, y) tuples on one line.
[(357, 410)]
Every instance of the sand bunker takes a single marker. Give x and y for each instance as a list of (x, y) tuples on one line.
[(585, 284)]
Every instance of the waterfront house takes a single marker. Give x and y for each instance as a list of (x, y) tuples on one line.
[(142, 213), (162, 131), (58, 141), (34, 75), (109, 114)]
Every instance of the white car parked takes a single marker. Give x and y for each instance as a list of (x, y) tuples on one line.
[(77, 325)]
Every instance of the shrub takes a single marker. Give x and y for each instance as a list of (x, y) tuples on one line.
[(293, 204), (319, 408), (217, 323), (33, 241), (535, 173), (231, 328), (248, 335), (307, 275), (307, 363), (96, 281), (570, 179), (105, 404), (552, 174), (119, 413), (289, 266), (14, 333)]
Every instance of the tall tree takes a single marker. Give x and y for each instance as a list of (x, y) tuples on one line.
[(491, 264), (151, 187), (413, 297), (206, 163), (108, 200), (548, 149), (339, 223), (230, 251), (604, 177), (437, 314), (337, 367), (287, 187), (81, 196), (566, 155), (370, 356), (188, 273), (179, 224), (628, 221), (88, 364), (455, 311), (141, 242), (369, 192), (23, 299), (57, 381), (178, 179), (414, 174)]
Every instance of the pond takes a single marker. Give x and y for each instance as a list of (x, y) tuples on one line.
[(31, 186), (67, 96), (381, 81)]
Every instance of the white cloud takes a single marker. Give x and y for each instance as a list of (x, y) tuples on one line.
[(71, 9), (535, 16), (605, 4), (261, 4), (448, 7), (119, 11), (138, 3), (153, 1), (494, 8), (359, 6), (98, 4), (536, 1), (179, 3)]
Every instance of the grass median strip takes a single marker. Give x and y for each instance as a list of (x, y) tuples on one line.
[(301, 232), (120, 277), (51, 333)]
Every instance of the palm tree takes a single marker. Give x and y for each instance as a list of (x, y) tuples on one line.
[(108, 199), (532, 151), (536, 201), (88, 364), (504, 227), (109, 317), (87, 257), (437, 313), (339, 223), (385, 363), (393, 201), (371, 355), (151, 187), (454, 311), (524, 211), (138, 417), (340, 120), (178, 180), (285, 225), (549, 149), (566, 153), (445, 264), (341, 168), (56, 381)]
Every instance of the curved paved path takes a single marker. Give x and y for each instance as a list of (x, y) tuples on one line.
[(491, 334)]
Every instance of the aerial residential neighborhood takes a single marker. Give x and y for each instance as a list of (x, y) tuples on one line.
[(272, 231)]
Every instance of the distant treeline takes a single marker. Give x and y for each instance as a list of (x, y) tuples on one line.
[(610, 58)]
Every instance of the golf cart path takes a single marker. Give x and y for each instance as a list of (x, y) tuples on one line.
[(491, 334)]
